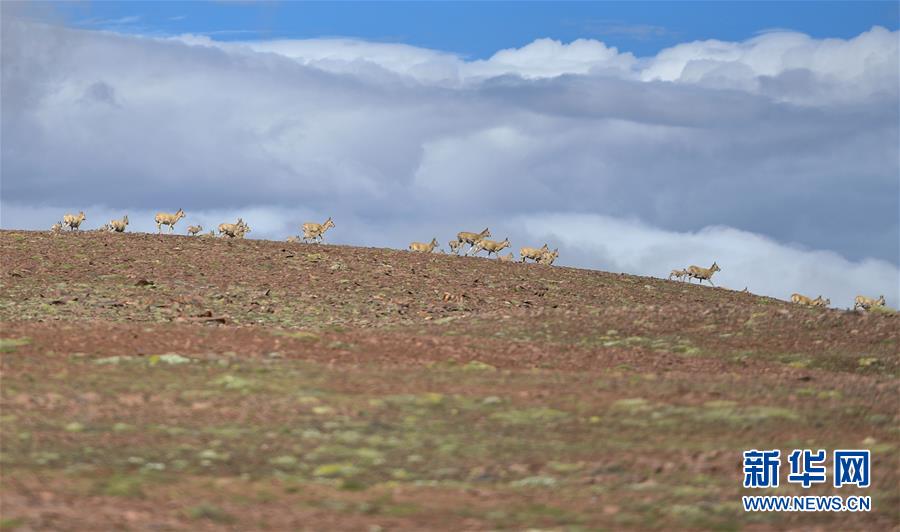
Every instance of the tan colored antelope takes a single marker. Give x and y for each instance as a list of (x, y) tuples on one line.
[(72, 221), (704, 274), (465, 237), (509, 257), (820, 302), (680, 275), (801, 299), (422, 247), (532, 253), (118, 226), (231, 230), (293, 239), (192, 230), (491, 246), (56, 228), (313, 232), (549, 257), (454, 246), (866, 303), (164, 218)]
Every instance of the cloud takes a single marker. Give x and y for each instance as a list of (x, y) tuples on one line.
[(770, 137)]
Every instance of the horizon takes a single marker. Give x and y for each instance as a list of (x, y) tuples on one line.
[(640, 144)]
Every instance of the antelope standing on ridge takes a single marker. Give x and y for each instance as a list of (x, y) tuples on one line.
[(704, 274), (421, 247), (72, 221), (164, 218), (313, 232), (192, 230)]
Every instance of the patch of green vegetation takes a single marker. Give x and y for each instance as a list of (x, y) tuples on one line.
[(529, 416), (210, 512), (11, 523), (8, 345), (122, 486)]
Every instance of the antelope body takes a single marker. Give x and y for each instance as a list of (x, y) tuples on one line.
[(703, 274), (73, 221), (801, 299), (491, 246), (315, 232), (506, 258), (422, 247), (820, 302), (548, 257), (678, 274), (164, 218), (194, 229), (56, 228), (119, 225), (866, 303), (234, 230), (465, 237), (532, 253)]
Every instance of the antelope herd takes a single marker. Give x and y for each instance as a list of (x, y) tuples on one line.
[(477, 242)]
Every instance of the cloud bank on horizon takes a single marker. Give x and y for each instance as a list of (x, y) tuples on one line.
[(776, 156)]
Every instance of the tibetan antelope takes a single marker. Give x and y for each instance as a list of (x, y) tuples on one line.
[(313, 232), (164, 218), (704, 274)]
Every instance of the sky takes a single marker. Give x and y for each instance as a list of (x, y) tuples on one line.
[(635, 137)]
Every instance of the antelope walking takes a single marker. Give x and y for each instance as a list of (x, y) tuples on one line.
[(509, 257), (119, 226), (192, 230), (800, 299), (680, 275), (73, 221), (867, 303), (704, 274), (233, 230), (533, 253), (313, 232), (164, 218), (422, 247), (548, 257), (491, 246), (465, 237)]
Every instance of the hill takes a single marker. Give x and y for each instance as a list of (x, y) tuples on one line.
[(196, 383)]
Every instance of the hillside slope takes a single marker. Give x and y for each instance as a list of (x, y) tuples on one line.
[(354, 386)]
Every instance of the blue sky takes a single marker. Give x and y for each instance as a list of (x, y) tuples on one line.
[(478, 29)]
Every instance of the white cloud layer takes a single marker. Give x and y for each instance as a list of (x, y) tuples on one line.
[(782, 137)]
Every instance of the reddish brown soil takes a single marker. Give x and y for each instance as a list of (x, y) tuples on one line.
[(364, 326)]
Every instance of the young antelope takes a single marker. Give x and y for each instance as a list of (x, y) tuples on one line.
[(194, 229), (509, 257), (819, 302), (73, 221), (680, 275), (164, 218), (313, 232), (422, 247), (232, 230)]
